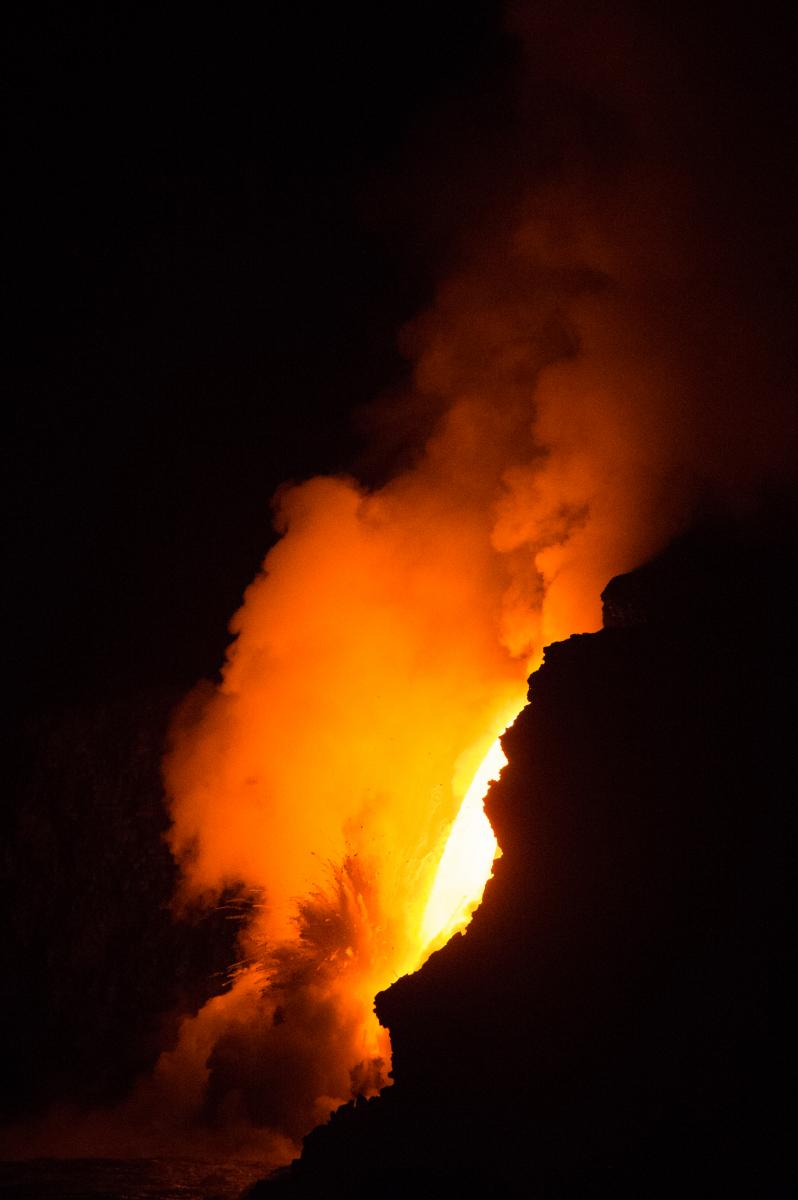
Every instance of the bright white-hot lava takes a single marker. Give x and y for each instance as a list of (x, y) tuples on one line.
[(467, 860)]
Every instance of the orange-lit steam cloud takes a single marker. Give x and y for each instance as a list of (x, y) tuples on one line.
[(576, 374), (589, 380), (390, 634)]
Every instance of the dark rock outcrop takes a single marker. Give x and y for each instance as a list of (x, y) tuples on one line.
[(619, 1016)]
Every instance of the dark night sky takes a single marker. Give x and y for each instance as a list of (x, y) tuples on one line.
[(219, 222), (201, 292)]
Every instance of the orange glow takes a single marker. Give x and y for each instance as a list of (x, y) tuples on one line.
[(339, 769)]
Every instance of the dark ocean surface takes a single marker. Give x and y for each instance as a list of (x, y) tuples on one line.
[(126, 1179)]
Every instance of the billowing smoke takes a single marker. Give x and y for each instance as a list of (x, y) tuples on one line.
[(605, 361), (589, 376)]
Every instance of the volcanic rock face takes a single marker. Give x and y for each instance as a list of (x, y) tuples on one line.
[(617, 1014)]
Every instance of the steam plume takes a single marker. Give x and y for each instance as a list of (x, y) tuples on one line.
[(577, 379)]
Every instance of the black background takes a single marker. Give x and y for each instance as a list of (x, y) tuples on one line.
[(211, 251)]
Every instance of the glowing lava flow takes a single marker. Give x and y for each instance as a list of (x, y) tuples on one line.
[(467, 859)]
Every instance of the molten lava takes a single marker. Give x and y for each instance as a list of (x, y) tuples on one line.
[(467, 860)]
